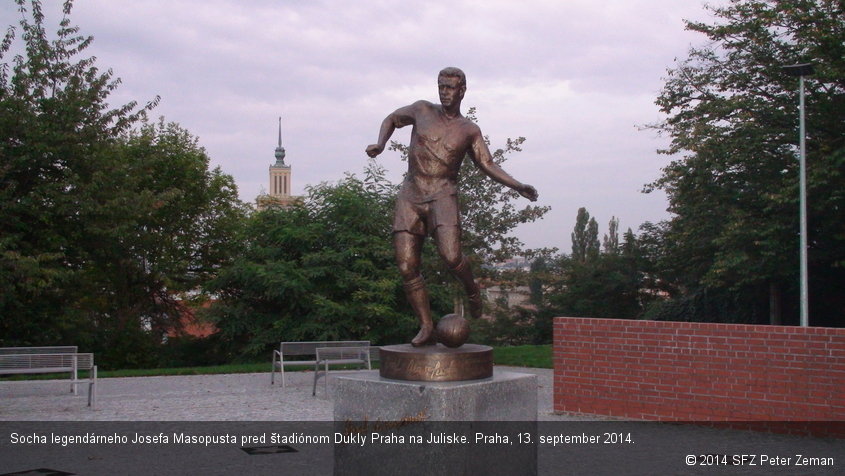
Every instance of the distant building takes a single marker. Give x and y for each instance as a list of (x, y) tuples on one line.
[(189, 324), (518, 263), (280, 181), (512, 295)]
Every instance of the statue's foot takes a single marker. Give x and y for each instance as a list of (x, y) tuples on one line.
[(424, 337), (475, 306)]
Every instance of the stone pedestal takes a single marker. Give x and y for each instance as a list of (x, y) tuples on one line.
[(506, 396), (484, 426)]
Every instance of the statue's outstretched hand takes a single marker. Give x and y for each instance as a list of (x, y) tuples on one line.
[(374, 150), (528, 192)]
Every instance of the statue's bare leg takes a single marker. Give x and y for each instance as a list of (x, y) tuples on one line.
[(449, 246), (408, 248)]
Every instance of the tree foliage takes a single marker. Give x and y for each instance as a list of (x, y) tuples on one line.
[(101, 225), (585, 237), (162, 224), (56, 128), (604, 282), (733, 186), (509, 325), (610, 242)]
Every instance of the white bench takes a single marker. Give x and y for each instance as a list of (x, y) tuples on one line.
[(41, 360), (307, 351)]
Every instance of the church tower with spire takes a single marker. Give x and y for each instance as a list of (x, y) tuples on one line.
[(280, 181)]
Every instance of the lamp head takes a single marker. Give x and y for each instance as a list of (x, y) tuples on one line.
[(803, 69)]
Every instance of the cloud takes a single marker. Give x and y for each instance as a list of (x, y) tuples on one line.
[(573, 77)]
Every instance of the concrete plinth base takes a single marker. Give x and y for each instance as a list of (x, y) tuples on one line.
[(506, 396), (485, 426)]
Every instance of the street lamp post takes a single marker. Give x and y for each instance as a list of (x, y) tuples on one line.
[(802, 70)]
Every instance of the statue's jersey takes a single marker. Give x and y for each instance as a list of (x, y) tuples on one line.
[(428, 197)]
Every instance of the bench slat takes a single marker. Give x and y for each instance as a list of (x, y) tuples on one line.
[(310, 348), (42, 363), (29, 370), (65, 349)]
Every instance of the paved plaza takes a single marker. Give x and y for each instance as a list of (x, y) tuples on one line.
[(246, 404), (225, 397)]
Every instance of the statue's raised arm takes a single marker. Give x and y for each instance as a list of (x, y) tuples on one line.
[(480, 154), (401, 117)]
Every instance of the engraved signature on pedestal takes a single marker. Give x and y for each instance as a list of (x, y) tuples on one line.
[(364, 425), (412, 367)]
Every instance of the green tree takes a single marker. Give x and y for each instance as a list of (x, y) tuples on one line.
[(610, 242), (322, 269), (585, 237), (102, 227), (598, 283), (159, 224), (731, 246), (56, 129), (539, 268), (510, 325), (542, 276)]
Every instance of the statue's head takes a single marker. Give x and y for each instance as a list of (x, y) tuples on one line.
[(451, 84), (453, 72)]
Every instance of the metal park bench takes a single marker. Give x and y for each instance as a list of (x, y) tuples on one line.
[(307, 352), (42, 360), (341, 355)]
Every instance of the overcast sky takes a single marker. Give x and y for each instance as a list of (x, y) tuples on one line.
[(574, 77)]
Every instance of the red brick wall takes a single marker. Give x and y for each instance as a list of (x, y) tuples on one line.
[(686, 371)]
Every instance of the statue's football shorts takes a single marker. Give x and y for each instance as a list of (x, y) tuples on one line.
[(422, 218)]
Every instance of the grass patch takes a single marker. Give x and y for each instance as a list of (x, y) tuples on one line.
[(539, 356)]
